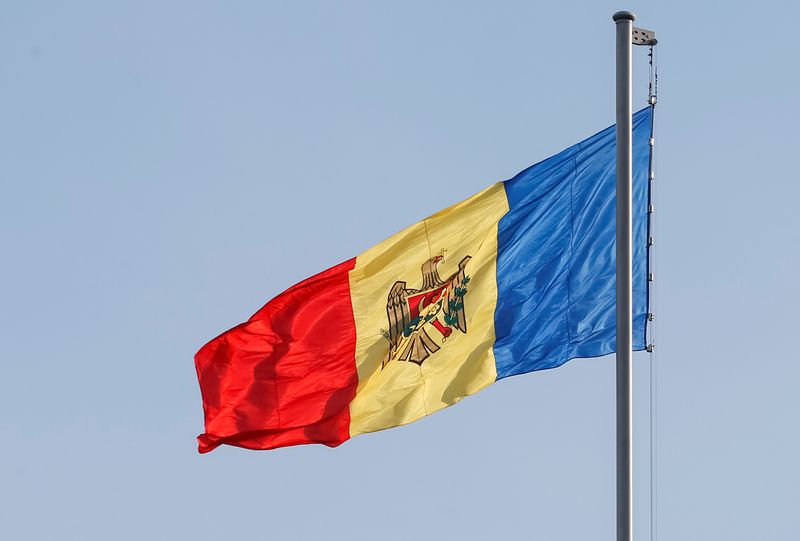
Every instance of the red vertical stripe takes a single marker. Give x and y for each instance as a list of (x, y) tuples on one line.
[(286, 376)]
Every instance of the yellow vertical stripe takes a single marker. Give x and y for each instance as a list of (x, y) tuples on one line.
[(402, 391)]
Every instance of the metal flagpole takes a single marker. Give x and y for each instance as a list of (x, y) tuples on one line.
[(627, 36), (624, 24)]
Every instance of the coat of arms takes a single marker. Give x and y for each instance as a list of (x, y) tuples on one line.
[(412, 313)]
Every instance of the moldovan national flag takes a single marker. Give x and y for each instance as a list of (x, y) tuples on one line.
[(517, 278)]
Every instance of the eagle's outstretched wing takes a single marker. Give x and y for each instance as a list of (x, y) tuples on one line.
[(454, 303), (397, 312)]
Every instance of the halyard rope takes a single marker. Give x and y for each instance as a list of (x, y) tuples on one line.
[(652, 98)]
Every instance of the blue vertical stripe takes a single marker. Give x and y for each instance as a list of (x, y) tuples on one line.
[(556, 256)]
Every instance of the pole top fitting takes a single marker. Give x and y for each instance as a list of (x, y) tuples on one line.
[(623, 16)]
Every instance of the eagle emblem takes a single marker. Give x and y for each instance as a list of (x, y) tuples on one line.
[(413, 312)]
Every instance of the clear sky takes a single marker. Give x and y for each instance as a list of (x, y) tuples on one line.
[(167, 167)]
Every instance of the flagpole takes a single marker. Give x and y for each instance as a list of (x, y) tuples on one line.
[(624, 23)]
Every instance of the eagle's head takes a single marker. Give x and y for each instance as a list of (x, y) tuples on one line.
[(430, 274), (431, 263)]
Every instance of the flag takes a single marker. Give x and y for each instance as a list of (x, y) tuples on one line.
[(517, 278)]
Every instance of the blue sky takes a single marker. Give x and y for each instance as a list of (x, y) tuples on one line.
[(167, 167)]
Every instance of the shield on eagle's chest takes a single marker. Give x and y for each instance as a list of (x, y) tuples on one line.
[(420, 301)]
